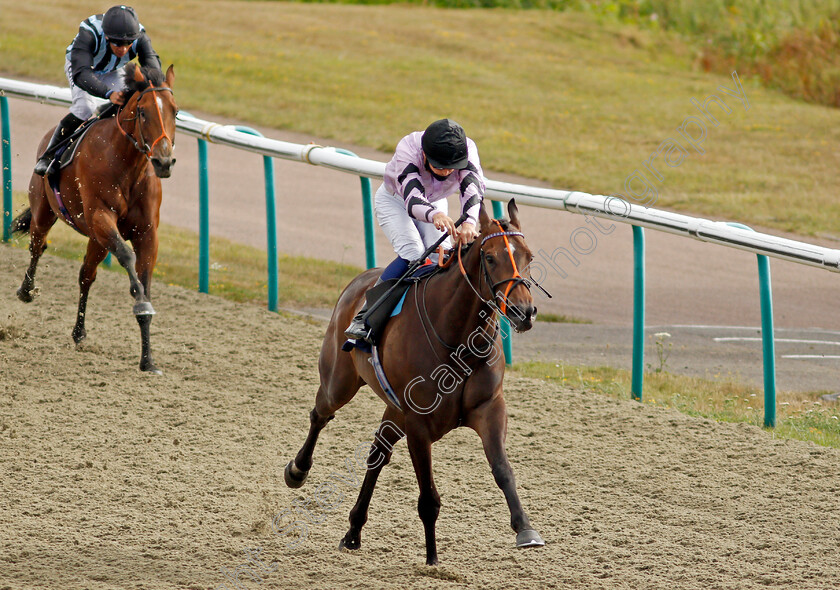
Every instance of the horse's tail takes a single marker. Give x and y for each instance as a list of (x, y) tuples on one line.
[(20, 224)]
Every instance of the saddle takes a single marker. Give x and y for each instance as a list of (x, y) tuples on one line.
[(66, 151), (381, 312), (384, 305)]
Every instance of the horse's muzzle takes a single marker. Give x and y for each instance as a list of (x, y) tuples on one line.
[(163, 166), (522, 317)]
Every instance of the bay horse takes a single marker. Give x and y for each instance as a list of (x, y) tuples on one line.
[(440, 355), (111, 193)]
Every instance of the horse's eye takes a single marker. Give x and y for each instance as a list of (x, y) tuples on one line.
[(142, 113), (488, 258)]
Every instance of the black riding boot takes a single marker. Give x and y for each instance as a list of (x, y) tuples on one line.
[(358, 329), (67, 126)]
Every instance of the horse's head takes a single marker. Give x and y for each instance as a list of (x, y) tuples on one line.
[(504, 260), (152, 107)]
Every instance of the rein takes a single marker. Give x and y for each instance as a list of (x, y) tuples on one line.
[(146, 150), (513, 281)]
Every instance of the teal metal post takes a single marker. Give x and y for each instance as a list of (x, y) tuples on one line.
[(270, 223), (768, 341), (367, 213), (638, 313), (507, 346), (7, 169), (203, 220)]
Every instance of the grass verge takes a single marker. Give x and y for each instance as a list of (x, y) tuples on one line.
[(237, 272), (798, 415)]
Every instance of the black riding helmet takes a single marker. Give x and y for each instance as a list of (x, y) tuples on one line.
[(120, 24), (445, 145)]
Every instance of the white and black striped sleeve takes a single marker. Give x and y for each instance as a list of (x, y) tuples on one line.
[(472, 193), (414, 194)]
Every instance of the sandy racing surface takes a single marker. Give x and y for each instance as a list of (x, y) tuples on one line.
[(115, 479)]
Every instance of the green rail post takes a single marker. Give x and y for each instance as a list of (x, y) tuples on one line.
[(203, 220), (768, 343), (367, 213), (7, 169), (638, 313), (507, 346), (270, 223)]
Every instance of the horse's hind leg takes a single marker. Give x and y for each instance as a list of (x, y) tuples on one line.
[(490, 422), (42, 220), (87, 275), (339, 383), (389, 432), (428, 504)]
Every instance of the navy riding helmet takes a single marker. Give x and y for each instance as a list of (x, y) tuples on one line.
[(445, 145)]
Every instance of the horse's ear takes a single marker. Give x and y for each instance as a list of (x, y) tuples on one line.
[(170, 75), (513, 214), (483, 219), (138, 75)]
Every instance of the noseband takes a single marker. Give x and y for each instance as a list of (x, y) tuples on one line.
[(146, 149)]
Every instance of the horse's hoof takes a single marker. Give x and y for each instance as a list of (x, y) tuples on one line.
[(349, 544), (79, 336), (25, 296), (143, 308), (294, 477), (529, 538), (153, 371)]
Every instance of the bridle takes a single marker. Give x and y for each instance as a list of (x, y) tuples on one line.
[(485, 277), (143, 147), (512, 282)]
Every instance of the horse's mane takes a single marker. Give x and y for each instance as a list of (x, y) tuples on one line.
[(151, 75)]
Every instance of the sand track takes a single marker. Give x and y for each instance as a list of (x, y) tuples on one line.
[(114, 479)]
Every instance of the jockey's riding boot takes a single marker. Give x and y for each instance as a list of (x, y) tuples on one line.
[(358, 330), (67, 126)]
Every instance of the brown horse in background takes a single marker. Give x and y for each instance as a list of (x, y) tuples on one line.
[(111, 193), (441, 355)]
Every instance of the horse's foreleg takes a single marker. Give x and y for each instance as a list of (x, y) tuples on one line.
[(104, 230), (428, 504), (491, 425), (146, 247), (87, 275), (390, 431)]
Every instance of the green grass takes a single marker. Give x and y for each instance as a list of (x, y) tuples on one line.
[(798, 415), (561, 318), (574, 99)]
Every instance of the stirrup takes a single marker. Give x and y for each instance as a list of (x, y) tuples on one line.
[(357, 330), (42, 166)]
